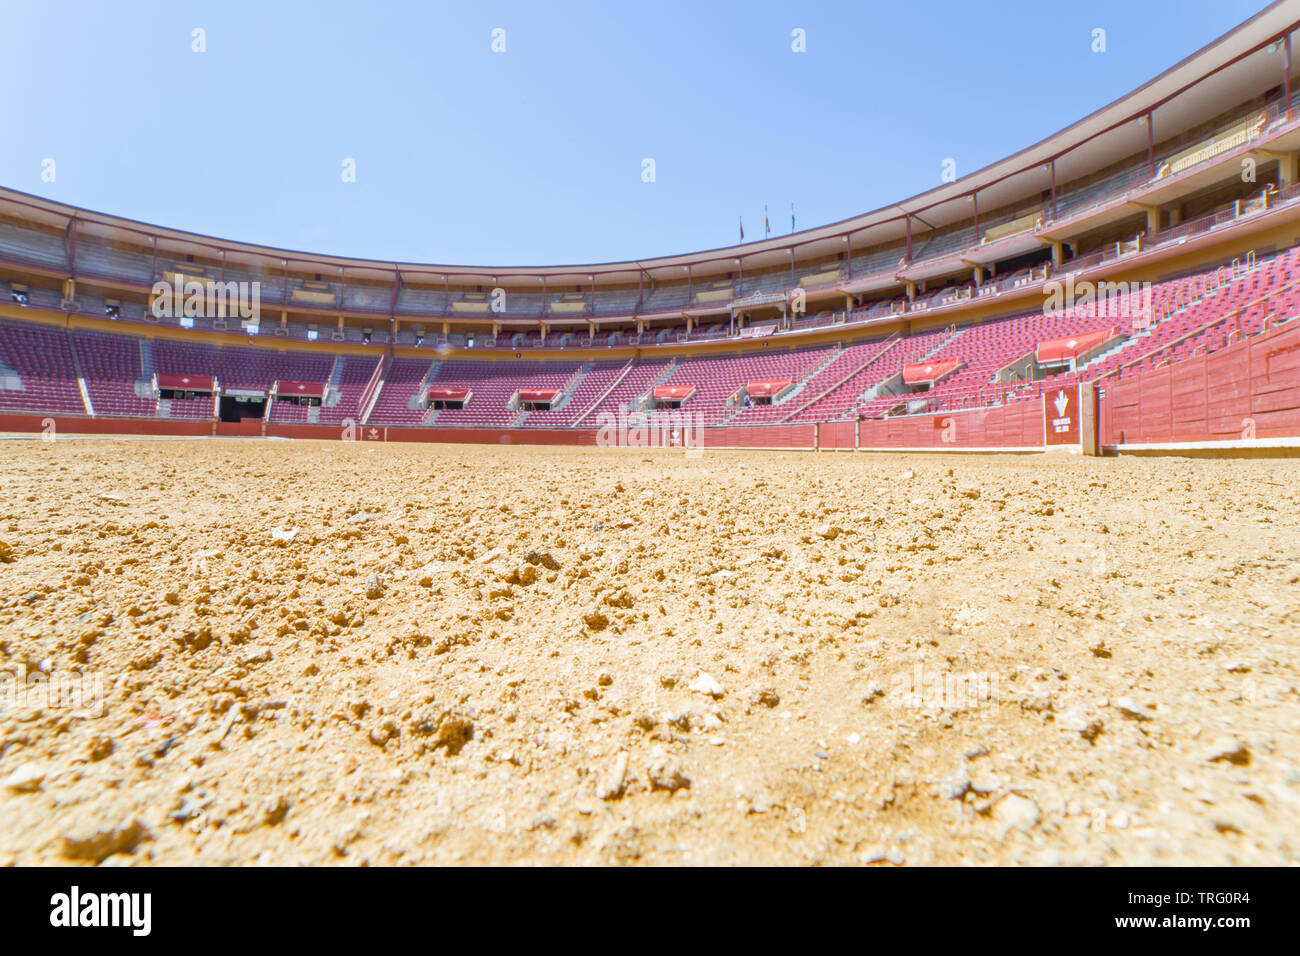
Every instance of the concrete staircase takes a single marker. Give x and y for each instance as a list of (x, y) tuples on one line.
[(414, 401), (144, 384)]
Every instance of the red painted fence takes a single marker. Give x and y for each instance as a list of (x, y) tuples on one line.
[(82, 425), (1247, 390), (1018, 425), (759, 436)]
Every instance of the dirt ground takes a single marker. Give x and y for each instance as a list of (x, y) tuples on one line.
[(334, 653)]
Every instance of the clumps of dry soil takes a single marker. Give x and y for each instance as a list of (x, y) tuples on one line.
[(346, 653)]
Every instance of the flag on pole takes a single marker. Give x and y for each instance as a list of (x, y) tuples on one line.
[(792, 217), (767, 226), (742, 228)]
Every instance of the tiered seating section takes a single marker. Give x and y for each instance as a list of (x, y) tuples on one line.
[(494, 384), (40, 364), (112, 367), (36, 370)]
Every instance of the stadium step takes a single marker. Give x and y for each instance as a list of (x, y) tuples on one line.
[(146, 358), (375, 387), (605, 394), (799, 387), (845, 379), (333, 393), (81, 375), (414, 401), (567, 392)]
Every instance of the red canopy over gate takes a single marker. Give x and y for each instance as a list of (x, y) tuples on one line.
[(538, 394), (186, 383), (768, 387), (448, 394), (674, 392), (930, 372), (306, 389), (1072, 346)]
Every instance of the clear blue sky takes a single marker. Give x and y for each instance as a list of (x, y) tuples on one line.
[(534, 155)]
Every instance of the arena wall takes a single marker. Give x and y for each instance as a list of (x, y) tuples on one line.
[(1019, 425), (85, 425), (1247, 391)]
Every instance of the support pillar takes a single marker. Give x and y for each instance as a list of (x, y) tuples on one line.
[(1153, 219), (1288, 167)]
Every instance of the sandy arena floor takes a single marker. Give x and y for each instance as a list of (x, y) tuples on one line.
[(348, 653)]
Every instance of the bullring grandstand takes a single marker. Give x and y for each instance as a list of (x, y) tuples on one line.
[(959, 532), (1143, 249)]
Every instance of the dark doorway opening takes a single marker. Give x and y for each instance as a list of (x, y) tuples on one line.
[(236, 409)]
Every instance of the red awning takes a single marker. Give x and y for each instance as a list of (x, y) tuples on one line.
[(307, 389), (448, 394), (186, 383), (931, 372), (768, 387), (674, 392), (538, 394), (1062, 350)]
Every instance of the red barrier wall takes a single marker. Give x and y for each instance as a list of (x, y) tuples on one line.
[(77, 425), (1248, 390), (1017, 425), (324, 432), (253, 427), (837, 435), (493, 436), (759, 436)]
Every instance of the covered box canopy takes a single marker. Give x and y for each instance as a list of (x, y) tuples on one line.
[(1055, 351), (673, 393), (305, 389), (186, 383), (929, 373), (445, 394), (768, 388), (538, 394)]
